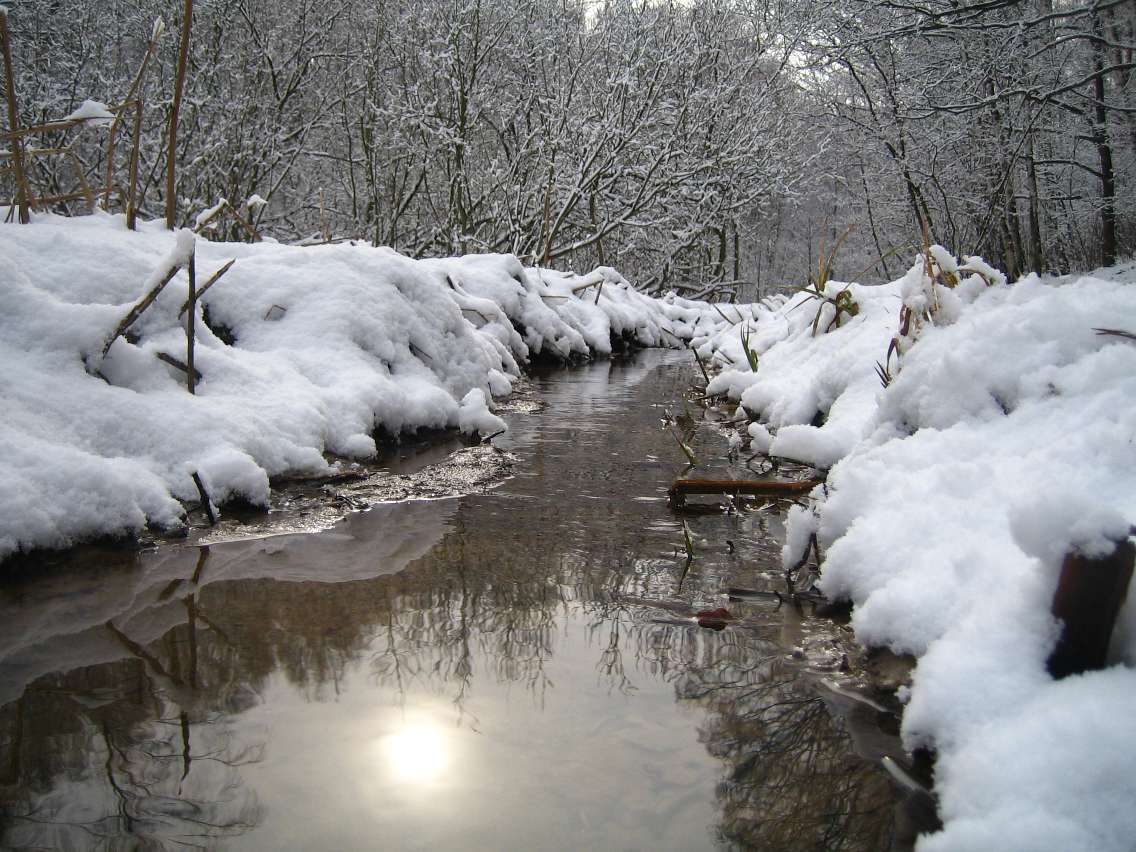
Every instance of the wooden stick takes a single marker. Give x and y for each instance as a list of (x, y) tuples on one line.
[(205, 501), (132, 193), (190, 325), (49, 127), (137, 310), (598, 281), (84, 187), (36, 152), (174, 362), (22, 194), (213, 279), (682, 488), (68, 196)]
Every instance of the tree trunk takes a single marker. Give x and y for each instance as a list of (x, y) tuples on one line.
[(1104, 152)]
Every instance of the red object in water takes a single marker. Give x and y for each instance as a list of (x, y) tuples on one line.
[(715, 619)]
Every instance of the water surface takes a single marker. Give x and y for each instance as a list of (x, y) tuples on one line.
[(516, 669)]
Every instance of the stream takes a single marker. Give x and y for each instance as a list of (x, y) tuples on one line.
[(518, 668)]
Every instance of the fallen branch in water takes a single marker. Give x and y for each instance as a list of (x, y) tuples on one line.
[(682, 488)]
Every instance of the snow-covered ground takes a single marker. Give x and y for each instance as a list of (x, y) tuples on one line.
[(1006, 437), (329, 344)]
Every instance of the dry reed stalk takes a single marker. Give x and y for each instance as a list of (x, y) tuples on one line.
[(84, 187), (23, 197), (324, 230), (594, 282), (112, 134), (175, 107), (686, 451), (131, 198), (190, 341), (213, 279), (166, 358), (141, 306)]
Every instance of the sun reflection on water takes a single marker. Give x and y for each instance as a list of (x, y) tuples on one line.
[(417, 753)]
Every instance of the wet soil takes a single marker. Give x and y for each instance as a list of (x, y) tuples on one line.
[(515, 662)]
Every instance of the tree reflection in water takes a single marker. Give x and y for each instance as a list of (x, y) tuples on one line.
[(792, 779), (119, 756), (146, 747)]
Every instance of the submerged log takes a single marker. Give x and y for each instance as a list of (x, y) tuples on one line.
[(682, 488), (1089, 595)]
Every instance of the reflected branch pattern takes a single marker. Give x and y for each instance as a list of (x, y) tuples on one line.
[(144, 743)]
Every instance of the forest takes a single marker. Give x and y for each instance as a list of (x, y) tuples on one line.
[(719, 148)]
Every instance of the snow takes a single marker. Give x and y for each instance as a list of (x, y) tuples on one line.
[(333, 344), (206, 216), (1003, 441), (92, 112), (474, 416)]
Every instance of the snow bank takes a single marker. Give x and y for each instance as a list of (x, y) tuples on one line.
[(302, 352), (1004, 440), (802, 375)]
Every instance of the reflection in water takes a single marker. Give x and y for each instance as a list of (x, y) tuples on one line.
[(417, 754), (792, 782), (479, 673)]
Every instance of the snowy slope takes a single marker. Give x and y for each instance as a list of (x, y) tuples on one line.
[(1005, 439), (329, 345)]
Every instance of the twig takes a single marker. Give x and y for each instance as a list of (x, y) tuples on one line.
[(687, 451), (132, 196), (701, 366), (213, 279), (137, 310), (205, 501), (1115, 332), (174, 362)]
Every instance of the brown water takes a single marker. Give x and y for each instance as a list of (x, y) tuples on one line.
[(516, 669)]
